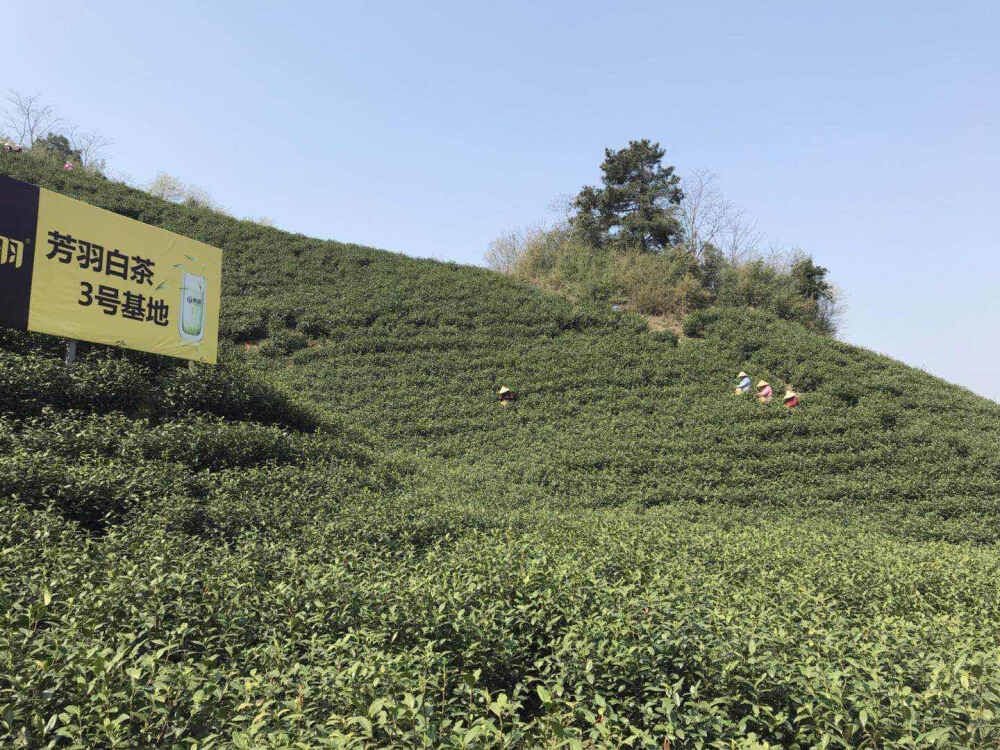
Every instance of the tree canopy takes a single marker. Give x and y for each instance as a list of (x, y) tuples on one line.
[(810, 280), (58, 148), (635, 208)]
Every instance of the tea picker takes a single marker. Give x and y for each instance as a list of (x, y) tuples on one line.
[(506, 396), (742, 384), (791, 398), (764, 392)]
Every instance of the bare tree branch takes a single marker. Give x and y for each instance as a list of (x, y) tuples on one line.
[(92, 147), (739, 237), (709, 219), (168, 187), (562, 207), (27, 118), (505, 251), (834, 308), (171, 188)]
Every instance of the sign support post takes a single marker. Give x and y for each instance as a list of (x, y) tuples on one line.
[(70, 352)]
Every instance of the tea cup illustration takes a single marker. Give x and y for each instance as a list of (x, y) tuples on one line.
[(192, 317)]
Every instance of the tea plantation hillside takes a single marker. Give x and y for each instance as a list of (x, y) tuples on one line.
[(627, 556)]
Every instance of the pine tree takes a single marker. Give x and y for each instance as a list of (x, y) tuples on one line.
[(635, 207)]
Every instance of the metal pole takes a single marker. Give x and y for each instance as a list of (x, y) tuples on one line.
[(70, 352)]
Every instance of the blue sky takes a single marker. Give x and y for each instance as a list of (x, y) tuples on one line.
[(867, 134)]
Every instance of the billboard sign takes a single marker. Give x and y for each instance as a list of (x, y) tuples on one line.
[(70, 269)]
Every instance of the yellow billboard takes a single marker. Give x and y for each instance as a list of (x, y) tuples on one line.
[(73, 270)]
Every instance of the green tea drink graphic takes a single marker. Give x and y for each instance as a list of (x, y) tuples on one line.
[(192, 317)]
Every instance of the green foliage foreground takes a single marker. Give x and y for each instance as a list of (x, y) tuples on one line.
[(627, 555)]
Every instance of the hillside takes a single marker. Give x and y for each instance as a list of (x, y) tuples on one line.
[(628, 554)]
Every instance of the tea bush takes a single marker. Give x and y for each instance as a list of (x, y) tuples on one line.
[(696, 324), (666, 336), (353, 545), (284, 342)]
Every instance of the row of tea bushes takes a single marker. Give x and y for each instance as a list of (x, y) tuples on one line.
[(534, 628)]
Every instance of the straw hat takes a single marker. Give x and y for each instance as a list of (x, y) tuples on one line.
[(789, 394), (742, 374), (503, 389), (762, 383)]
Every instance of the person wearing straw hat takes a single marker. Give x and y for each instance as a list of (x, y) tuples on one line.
[(791, 398), (743, 384), (506, 396), (764, 392)]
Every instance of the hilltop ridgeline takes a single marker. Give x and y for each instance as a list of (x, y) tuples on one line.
[(387, 558), (647, 241)]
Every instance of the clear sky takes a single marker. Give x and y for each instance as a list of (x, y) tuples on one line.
[(867, 134)]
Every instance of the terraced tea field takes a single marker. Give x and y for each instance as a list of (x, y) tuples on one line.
[(341, 539)]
